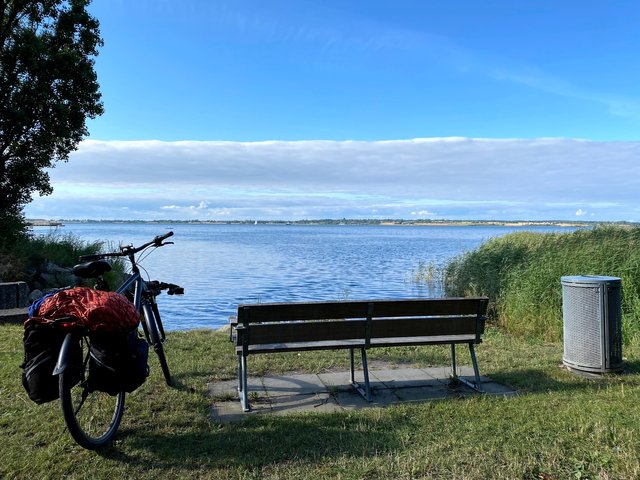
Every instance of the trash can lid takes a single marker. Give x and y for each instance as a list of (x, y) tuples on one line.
[(589, 279)]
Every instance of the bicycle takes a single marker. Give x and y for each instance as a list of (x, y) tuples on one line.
[(92, 416)]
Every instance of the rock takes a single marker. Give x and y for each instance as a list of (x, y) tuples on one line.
[(51, 267), (48, 278), (35, 295)]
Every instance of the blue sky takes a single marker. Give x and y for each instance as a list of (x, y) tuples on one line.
[(310, 109)]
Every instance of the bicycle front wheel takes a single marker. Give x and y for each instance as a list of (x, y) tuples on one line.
[(92, 417), (156, 341)]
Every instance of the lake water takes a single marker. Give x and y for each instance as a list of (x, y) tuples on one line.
[(221, 266)]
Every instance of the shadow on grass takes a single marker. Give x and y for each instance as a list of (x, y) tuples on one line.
[(263, 440), (178, 384), (631, 366), (254, 442), (542, 380)]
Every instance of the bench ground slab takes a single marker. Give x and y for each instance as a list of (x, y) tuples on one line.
[(331, 392)]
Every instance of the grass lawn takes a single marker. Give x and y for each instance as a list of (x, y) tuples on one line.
[(560, 426)]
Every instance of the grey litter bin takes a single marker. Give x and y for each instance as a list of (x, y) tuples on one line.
[(592, 324)]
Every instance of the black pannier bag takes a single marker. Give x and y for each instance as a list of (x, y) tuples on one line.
[(42, 342), (117, 362)]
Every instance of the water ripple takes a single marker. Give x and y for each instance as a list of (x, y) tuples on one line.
[(221, 266)]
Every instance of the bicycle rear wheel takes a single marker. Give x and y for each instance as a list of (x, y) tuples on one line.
[(93, 417), (156, 341)]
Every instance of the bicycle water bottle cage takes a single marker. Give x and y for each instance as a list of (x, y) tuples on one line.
[(92, 269)]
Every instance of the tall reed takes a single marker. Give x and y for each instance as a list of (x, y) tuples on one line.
[(521, 272)]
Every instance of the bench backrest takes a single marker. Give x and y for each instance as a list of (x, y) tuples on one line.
[(319, 321)]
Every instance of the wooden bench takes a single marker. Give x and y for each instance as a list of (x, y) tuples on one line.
[(285, 327)]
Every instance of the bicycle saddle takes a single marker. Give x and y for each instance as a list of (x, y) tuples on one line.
[(92, 269)]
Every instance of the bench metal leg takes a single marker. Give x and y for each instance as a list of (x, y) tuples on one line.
[(454, 369), (352, 370), (366, 391), (478, 384), (242, 383), (476, 372)]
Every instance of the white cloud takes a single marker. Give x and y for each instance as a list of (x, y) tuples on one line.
[(580, 212), (455, 177), (423, 213)]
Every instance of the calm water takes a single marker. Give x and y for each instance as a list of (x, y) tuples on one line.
[(221, 266)]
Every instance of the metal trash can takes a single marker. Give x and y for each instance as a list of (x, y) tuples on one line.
[(592, 324)]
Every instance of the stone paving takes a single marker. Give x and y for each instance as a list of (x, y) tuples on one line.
[(332, 392)]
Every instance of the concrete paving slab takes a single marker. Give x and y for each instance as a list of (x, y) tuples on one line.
[(259, 403), (332, 392), (444, 373), (404, 377), (350, 400), (457, 389), (313, 402), (495, 388), (227, 412), (224, 389), (228, 388), (422, 394), (336, 381), (283, 385)]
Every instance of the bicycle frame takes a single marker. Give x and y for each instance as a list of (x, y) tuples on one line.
[(147, 306)]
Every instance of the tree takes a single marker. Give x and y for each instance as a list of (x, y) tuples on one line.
[(48, 88)]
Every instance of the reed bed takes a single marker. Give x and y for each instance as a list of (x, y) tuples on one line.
[(27, 260), (521, 272)]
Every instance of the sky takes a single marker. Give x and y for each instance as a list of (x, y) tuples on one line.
[(413, 109)]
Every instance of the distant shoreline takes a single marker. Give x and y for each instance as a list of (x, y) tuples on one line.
[(383, 222), (44, 223), (474, 223)]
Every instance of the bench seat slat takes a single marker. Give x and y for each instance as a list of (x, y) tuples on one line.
[(423, 340), (303, 346), (355, 343)]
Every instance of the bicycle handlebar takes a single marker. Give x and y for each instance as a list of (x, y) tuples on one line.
[(128, 250), (171, 288)]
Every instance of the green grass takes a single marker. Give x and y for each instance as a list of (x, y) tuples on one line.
[(521, 272), (560, 426)]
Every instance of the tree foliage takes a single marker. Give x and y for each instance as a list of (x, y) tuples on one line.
[(48, 88)]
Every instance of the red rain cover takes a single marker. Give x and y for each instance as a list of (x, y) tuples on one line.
[(95, 309)]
